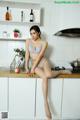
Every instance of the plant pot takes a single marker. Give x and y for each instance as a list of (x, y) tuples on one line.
[(16, 34)]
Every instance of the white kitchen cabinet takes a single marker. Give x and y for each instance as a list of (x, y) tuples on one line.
[(31, 1), (16, 7), (12, 0), (71, 99), (21, 98), (3, 94), (20, 13), (55, 95)]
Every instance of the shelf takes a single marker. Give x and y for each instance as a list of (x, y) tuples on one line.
[(18, 23), (12, 39), (16, 8)]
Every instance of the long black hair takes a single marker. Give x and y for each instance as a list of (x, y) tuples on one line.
[(36, 28)]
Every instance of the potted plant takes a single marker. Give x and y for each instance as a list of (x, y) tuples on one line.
[(17, 33), (18, 62)]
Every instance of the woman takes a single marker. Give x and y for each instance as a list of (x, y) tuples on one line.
[(35, 49)]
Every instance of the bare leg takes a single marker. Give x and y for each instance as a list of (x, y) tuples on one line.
[(57, 73), (52, 73), (41, 73), (45, 94)]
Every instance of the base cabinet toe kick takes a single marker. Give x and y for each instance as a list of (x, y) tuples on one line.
[(22, 98)]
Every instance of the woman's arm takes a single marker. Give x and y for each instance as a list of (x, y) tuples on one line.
[(27, 55), (41, 54)]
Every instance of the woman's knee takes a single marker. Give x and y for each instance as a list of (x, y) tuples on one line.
[(40, 73), (36, 70), (49, 74)]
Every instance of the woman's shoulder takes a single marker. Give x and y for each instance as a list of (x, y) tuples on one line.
[(28, 40), (44, 43)]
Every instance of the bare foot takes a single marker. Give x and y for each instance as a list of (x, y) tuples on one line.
[(49, 119), (47, 110), (65, 72)]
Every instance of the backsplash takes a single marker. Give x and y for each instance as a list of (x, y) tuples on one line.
[(7, 51), (61, 50)]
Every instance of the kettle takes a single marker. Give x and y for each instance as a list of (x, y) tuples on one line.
[(75, 65)]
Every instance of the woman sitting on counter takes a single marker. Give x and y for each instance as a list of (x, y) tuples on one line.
[(35, 49)]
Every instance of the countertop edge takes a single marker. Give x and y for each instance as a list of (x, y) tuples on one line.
[(24, 75)]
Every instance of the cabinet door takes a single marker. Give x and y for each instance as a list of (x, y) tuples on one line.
[(33, 1), (54, 94), (3, 94), (71, 99), (21, 98), (13, 0)]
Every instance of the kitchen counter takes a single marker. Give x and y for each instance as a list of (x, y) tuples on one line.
[(7, 73), (13, 74)]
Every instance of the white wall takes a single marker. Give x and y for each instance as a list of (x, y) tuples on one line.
[(58, 17), (61, 50)]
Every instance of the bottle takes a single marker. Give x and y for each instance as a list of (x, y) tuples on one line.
[(22, 16), (10, 15), (7, 15), (31, 16)]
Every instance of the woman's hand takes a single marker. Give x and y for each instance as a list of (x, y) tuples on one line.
[(27, 70), (32, 70)]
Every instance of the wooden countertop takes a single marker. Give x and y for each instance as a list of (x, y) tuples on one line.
[(24, 75)]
